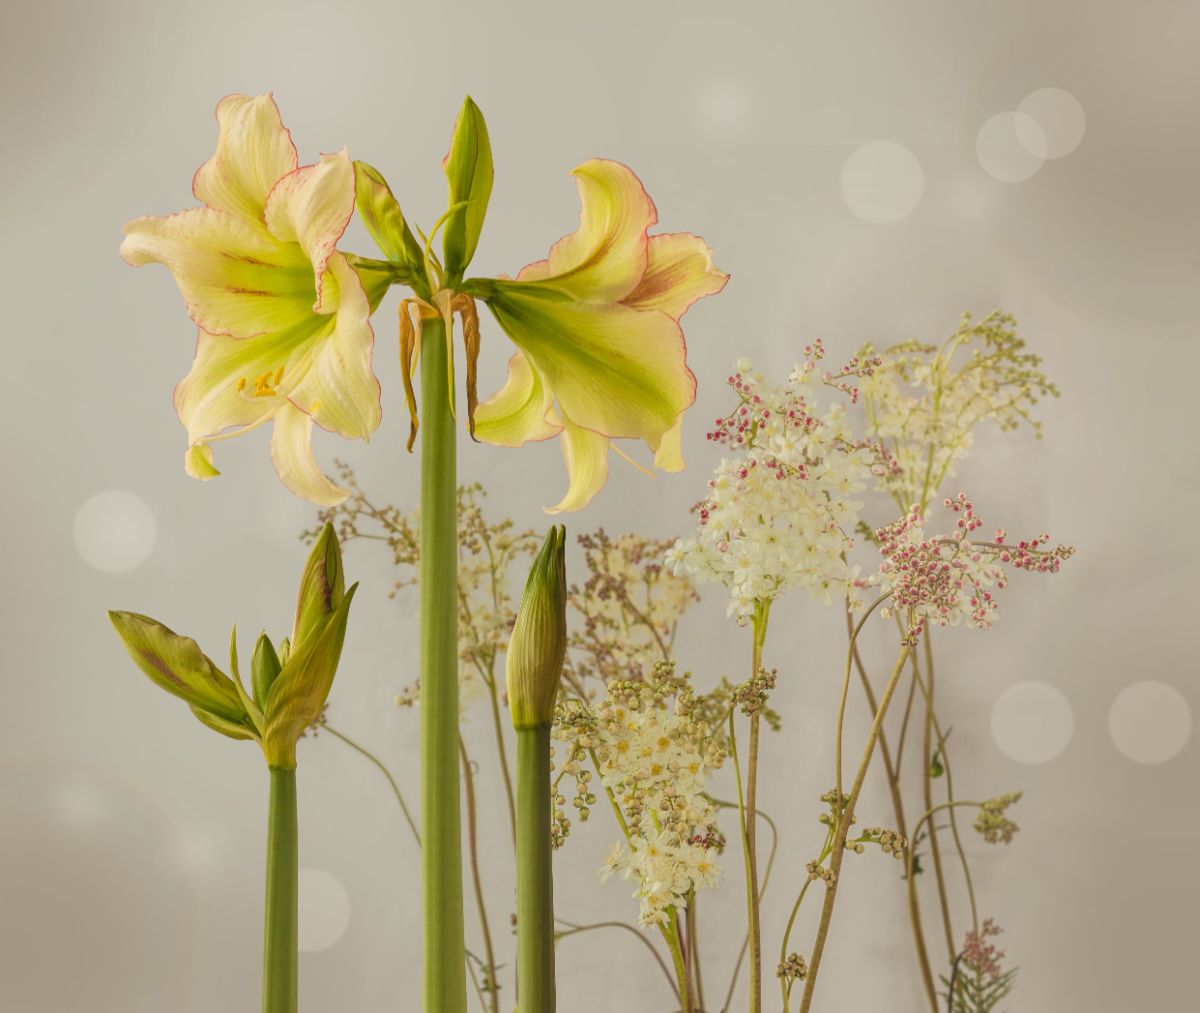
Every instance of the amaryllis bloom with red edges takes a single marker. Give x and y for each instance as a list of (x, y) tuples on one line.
[(600, 351), (283, 317)]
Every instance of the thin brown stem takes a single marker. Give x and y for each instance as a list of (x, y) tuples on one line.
[(935, 849), (575, 929), (386, 773), (893, 779), (843, 828)]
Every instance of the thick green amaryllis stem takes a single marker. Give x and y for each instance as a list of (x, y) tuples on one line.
[(535, 882), (280, 928), (441, 854)]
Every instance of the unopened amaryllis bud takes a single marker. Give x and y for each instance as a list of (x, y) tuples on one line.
[(322, 587), (469, 171), (264, 667), (539, 638)]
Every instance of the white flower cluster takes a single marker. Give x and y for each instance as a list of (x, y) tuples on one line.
[(667, 873), (779, 515), (654, 754)]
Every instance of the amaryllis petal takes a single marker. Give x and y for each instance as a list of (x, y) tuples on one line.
[(585, 454), (669, 455), (606, 258), (337, 386), (312, 207), (254, 150), (235, 278), (291, 453), (613, 369), (679, 270), (516, 413), (198, 462)]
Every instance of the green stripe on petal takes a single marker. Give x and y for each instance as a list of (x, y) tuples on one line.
[(613, 369)]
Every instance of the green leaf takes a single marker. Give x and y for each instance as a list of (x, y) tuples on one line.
[(322, 586), (469, 170), (381, 214), (177, 665), (263, 668), (300, 690)]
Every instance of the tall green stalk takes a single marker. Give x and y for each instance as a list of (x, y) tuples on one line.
[(535, 882), (280, 923), (441, 855)]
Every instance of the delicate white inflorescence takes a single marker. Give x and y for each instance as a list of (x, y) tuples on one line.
[(654, 754), (780, 514)]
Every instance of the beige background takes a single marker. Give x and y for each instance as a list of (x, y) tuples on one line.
[(131, 839)]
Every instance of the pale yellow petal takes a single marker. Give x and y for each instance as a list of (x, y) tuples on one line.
[(669, 455), (606, 258), (254, 151), (291, 453), (679, 270), (312, 207), (516, 413), (234, 277), (336, 384), (585, 454)]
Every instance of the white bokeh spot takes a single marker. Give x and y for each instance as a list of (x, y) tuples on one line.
[(115, 531), (324, 910), (1061, 117), (1011, 147), (1150, 722), (1032, 722), (882, 182)]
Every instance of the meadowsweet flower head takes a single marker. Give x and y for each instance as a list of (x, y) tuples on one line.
[(947, 579), (654, 754), (780, 512), (924, 401)]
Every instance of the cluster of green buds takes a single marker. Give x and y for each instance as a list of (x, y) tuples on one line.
[(889, 841), (993, 823), (288, 685)]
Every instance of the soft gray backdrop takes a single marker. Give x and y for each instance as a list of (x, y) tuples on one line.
[(131, 839)]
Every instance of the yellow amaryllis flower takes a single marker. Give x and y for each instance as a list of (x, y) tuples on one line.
[(283, 317), (600, 352)]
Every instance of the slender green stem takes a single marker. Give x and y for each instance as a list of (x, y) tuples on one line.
[(386, 773), (535, 880), (477, 881), (784, 984), (694, 952), (843, 828), (762, 611), (282, 909), (441, 857), (671, 934)]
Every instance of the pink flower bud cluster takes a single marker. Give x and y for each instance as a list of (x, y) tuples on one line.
[(947, 579)]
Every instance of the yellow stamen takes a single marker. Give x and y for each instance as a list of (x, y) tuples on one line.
[(241, 384)]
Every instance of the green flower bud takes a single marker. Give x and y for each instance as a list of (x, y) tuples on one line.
[(539, 639), (380, 213), (322, 587), (177, 665), (469, 170), (264, 666)]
